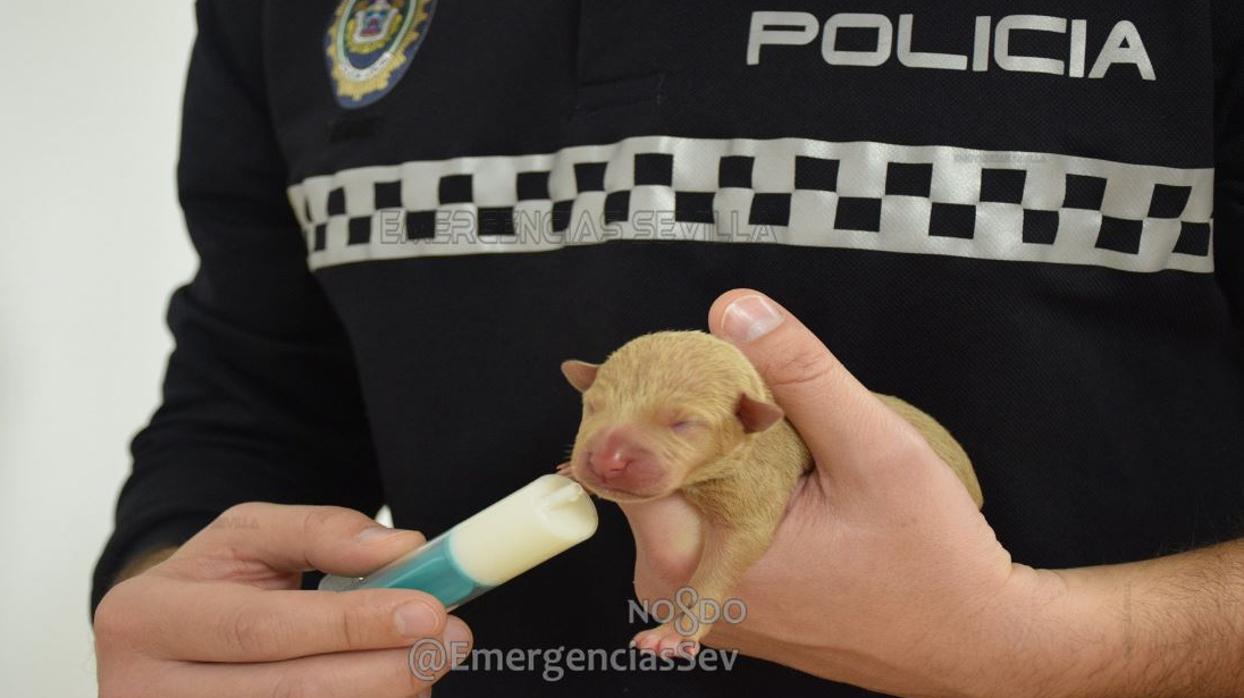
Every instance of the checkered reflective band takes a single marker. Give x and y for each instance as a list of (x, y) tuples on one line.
[(932, 200)]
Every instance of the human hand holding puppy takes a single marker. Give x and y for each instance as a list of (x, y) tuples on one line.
[(705, 495), (883, 573), (684, 412)]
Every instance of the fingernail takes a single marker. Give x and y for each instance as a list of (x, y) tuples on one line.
[(749, 318), (375, 533), (425, 693), (415, 619), (457, 638)]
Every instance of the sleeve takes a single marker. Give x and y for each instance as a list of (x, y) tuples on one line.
[(1229, 155), (260, 398)]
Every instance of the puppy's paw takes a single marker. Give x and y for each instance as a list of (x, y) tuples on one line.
[(666, 641), (566, 471)]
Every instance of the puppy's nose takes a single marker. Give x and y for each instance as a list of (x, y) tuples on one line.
[(614, 453), (611, 463)]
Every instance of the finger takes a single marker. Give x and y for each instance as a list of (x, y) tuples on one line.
[(238, 623), (668, 536), (842, 422), (291, 538), (375, 673)]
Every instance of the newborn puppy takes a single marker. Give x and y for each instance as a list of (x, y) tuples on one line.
[(687, 412)]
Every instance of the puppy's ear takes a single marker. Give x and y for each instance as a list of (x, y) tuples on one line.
[(581, 374), (757, 415)]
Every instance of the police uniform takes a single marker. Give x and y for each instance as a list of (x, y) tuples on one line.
[(408, 212)]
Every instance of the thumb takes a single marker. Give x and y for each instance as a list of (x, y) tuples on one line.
[(845, 426)]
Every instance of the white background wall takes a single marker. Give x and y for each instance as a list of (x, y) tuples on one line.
[(91, 244)]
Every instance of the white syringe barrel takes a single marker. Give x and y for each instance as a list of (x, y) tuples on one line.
[(539, 521)]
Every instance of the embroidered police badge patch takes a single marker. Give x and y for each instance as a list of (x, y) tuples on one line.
[(370, 44)]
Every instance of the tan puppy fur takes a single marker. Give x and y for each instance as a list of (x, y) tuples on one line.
[(687, 412)]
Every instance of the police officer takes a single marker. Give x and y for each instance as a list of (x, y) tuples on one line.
[(408, 212)]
